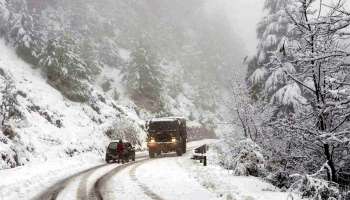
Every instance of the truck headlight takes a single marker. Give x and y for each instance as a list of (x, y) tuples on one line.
[(173, 140), (152, 140)]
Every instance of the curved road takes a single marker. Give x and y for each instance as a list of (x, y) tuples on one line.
[(83, 191), (115, 181)]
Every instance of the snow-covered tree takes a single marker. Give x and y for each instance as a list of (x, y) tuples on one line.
[(9, 107), (274, 31), (4, 15), (89, 53), (320, 125), (65, 70), (246, 113), (18, 28), (143, 74)]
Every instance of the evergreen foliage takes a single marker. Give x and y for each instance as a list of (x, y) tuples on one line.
[(144, 75), (19, 30), (65, 70), (274, 32), (68, 38)]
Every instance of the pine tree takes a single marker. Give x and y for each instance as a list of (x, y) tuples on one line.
[(18, 28), (65, 70), (274, 32), (89, 53), (143, 75), (4, 14)]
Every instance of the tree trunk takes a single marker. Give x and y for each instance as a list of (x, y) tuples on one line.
[(331, 173), (243, 124)]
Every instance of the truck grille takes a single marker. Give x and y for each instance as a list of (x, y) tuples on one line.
[(163, 138)]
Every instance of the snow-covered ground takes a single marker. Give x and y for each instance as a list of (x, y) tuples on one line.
[(52, 126), (224, 184), (27, 181), (168, 177), (181, 178)]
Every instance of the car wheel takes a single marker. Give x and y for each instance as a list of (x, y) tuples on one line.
[(107, 159)]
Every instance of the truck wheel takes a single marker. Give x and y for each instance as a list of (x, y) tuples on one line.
[(179, 151), (184, 147), (133, 158), (151, 154)]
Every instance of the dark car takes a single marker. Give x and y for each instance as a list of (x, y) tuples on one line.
[(166, 135), (112, 155)]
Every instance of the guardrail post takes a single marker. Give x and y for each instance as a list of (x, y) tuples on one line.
[(202, 150)]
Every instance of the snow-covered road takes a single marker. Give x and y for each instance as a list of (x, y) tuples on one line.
[(88, 177), (88, 184), (155, 179), (167, 177)]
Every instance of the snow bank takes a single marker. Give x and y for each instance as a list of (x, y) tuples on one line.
[(243, 157), (228, 186), (315, 189), (26, 182)]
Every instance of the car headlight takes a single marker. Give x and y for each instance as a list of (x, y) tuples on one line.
[(173, 140), (152, 140)]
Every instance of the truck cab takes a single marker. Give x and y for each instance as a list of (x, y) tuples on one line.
[(166, 135)]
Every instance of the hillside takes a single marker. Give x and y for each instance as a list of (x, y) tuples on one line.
[(75, 74), (48, 125)]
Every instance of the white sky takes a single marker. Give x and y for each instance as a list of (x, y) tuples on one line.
[(245, 15)]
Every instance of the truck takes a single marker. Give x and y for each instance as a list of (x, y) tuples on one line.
[(165, 135)]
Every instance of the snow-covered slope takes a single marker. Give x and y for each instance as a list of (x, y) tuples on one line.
[(50, 125)]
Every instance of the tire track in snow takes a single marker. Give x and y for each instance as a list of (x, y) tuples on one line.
[(83, 193), (98, 185), (52, 192), (144, 188), (95, 193)]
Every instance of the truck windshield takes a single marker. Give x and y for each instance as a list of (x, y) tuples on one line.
[(163, 126)]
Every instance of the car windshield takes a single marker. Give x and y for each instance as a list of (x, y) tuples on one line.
[(163, 126), (113, 145)]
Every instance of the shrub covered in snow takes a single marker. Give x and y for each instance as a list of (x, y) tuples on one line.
[(316, 189), (281, 178), (249, 161), (126, 130), (8, 103), (244, 158)]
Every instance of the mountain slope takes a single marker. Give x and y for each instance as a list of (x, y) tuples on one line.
[(49, 125)]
